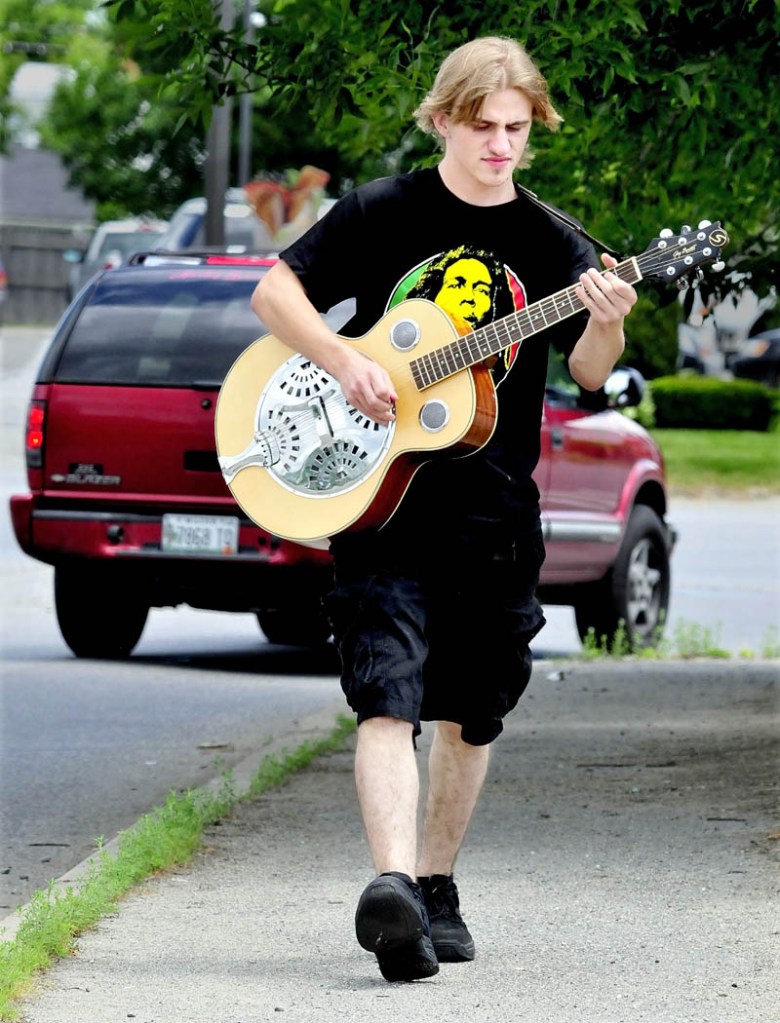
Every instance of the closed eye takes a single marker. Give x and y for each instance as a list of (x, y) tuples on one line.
[(490, 125)]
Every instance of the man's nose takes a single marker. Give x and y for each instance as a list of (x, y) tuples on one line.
[(499, 141)]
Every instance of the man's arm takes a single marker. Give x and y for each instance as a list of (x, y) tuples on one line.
[(280, 301), (609, 300)]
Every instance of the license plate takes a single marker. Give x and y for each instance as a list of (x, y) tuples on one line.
[(199, 534)]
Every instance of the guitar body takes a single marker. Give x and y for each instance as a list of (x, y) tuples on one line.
[(304, 464)]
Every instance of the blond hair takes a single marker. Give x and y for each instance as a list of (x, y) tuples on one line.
[(477, 69)]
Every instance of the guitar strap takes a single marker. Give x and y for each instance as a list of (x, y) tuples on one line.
[(534, 198)]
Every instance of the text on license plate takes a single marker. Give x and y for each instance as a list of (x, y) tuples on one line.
[(199, 534)]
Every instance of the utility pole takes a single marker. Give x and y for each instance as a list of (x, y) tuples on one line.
[(245, 112), (217, 170)]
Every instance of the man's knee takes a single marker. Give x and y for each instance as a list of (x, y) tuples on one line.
[(383, 725), (452, 734)]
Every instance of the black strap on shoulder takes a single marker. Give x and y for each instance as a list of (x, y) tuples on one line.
[(559, 215)]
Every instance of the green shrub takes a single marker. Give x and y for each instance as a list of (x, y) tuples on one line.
[(704, 403)]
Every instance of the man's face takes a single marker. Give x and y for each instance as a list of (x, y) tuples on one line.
[(480, 157)]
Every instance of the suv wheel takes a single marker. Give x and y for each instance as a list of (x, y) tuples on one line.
[(294, 626), (99, 613), (634, 595)]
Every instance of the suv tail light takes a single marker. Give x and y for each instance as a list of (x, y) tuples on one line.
[(34, 435)]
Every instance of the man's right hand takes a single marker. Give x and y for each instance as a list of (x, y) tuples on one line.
[(366, 385)]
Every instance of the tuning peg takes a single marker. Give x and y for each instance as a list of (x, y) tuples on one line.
[(704, 223), (666, 233), (685, 229), (718, 267)]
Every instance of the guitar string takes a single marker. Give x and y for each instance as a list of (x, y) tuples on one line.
[(432, 367), (650, 261)]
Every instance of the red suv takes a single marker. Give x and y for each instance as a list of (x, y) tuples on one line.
[(128, 503)]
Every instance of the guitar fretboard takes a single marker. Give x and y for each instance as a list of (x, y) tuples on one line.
[(481, 344)]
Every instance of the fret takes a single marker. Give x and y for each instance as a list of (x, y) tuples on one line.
[(483, 345), (502, 335), (458, 355), (563, 295), (523, 323), (536, 316), (471, 346), (550, 310), (425, 373), (444, 367)]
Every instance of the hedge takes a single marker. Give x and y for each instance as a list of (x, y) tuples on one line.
[(705, 403)]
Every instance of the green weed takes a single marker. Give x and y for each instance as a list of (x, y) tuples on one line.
[(167, 836), (692, 640), (687, 641), (771, 647)]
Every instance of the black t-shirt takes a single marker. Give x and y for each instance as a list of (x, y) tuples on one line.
[(375, 246)]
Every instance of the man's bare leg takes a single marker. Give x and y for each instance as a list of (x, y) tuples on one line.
[(391, 920), (456, 774), (388, 789)]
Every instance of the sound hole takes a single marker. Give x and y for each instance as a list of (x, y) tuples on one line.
[(404, 335), (434, 416)]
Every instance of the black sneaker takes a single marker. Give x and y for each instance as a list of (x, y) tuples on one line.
[(451, 939), (391, 921)]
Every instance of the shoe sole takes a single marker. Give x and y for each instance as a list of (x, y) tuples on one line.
[(389, 924), (411, 962), (387, 916), (454, 952)]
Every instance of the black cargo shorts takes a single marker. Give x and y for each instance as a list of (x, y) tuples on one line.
[(441, 643)]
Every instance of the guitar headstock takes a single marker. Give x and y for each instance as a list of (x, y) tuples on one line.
[(670, 256)]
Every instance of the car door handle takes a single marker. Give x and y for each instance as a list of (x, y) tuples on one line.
[(556, 439)]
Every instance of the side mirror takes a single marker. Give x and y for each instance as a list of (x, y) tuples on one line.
[(624, 388)]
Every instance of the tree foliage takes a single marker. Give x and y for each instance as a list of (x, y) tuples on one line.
[(122, 138), (34, 32), (670, 108), (129, 159)]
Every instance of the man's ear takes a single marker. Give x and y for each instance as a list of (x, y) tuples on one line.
[(441, 124)]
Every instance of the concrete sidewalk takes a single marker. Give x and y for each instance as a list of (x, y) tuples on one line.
[(621, 868)]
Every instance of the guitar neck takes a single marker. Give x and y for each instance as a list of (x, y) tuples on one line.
[(481, 344)]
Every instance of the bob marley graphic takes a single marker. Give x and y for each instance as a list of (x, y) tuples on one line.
[(472, 287)]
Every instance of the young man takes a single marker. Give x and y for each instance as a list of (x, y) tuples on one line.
[(434, 612)]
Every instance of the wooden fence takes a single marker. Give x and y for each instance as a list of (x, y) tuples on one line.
[(37, 273)]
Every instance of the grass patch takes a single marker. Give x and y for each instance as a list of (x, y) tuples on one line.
[(688, 640), (167, 836), (726, 460)]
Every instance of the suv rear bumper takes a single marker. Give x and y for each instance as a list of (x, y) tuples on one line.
[(265, 572)]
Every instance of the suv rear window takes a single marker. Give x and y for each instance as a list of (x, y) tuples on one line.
[(168, 327)]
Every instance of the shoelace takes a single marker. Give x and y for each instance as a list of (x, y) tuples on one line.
[(443, 900)]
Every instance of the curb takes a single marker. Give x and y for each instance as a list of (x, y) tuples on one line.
[(313, 727)]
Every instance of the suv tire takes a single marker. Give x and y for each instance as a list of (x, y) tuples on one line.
[(294, 626), (99, 613), (633, 597)]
